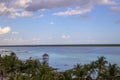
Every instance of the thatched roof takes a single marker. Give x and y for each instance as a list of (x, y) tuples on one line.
[(45, 55)]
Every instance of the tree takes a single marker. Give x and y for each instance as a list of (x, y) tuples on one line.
[(79, 71), (100, 66), (111, 72), (68, 74)]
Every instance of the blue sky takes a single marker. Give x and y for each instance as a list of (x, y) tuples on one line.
[(59, 22)]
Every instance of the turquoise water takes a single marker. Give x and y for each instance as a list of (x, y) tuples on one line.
[(66, 57)]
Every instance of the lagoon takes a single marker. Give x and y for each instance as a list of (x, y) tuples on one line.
[(66, 57)]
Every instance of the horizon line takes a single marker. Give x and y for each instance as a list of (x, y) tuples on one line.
[(45, 45)]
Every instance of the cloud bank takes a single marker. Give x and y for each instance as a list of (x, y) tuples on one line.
[(26, 8), (14, 8), (76, 11)]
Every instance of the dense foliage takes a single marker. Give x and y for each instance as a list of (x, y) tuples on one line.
[(32, 69)]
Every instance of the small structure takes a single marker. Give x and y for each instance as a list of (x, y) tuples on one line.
[(45, 58)]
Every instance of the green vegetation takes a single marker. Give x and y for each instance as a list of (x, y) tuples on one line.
[(32, 69)]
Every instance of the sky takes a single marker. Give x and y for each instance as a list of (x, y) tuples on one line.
[(25, 22)]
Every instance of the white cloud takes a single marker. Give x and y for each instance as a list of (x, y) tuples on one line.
[(22, 14), (15, 32), (108, 2), (76, 11), (26, 13), (12, 12), (65, 36), (89, 5), (21, 3), (4, 30), (5, 11)]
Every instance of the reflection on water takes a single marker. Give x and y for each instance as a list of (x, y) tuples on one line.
[(65, 57)]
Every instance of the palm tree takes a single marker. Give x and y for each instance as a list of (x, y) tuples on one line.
[(112, 72), (30, 67), (79, 71), (68, 74), (11, 63), (100, 66), (89, 70), (8, 64)]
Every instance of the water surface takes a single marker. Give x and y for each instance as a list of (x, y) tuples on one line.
[(66, 57)]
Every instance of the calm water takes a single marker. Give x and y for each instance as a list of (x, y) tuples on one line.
[(66, 57)]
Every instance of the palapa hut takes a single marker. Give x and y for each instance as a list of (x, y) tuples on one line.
[(45, 56)]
